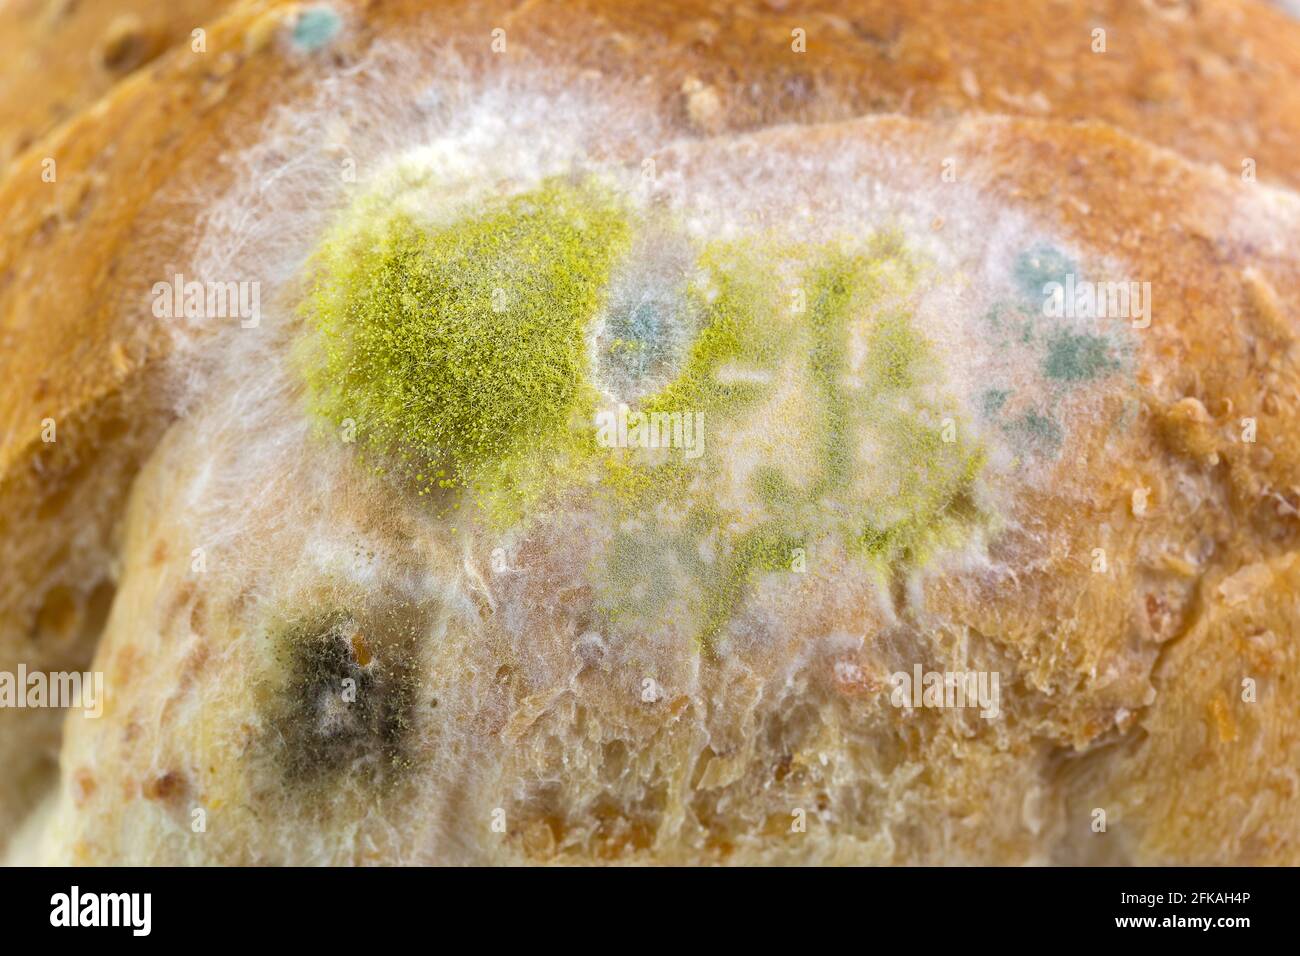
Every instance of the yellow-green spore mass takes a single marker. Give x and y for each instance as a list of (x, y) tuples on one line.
[(830, 430), (461, 349), (741, 330)]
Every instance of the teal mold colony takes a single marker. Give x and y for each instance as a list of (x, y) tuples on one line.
[(1030, 412)]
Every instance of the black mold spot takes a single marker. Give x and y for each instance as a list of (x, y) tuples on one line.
[(346, 708)]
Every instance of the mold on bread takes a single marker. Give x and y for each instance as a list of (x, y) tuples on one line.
[(399, 574)]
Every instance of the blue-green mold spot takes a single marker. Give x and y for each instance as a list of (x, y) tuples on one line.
[(1075, 357), (1039, 265), (1035, 433), (315, 28), (992, 400), (643, 338)]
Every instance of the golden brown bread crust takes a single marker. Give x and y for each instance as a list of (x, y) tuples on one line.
[(63, 55), (77, 354), (1185, 79)]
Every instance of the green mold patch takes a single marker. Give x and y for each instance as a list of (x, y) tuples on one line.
[(834, 286), (740, 339), (992, 400), (1037, 266), (460, 350), (1067, 356), (1010, 325), (741, 329), (1035, 433), (916, 491), (766, 549), (473, 355), (932, 505), (878, 473), (1078, 357)]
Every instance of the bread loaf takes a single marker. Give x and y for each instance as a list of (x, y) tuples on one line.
[(653, 433)]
